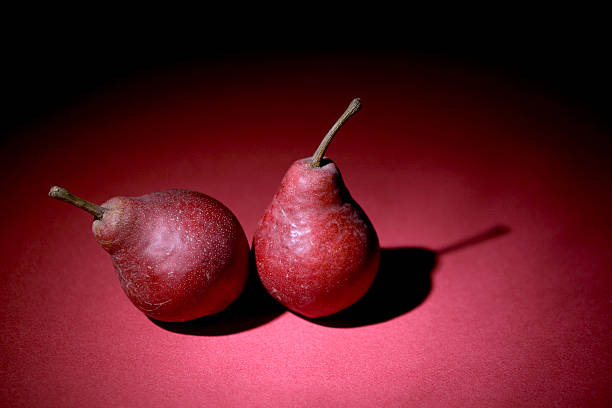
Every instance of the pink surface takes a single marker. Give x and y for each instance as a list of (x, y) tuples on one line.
[(438, 157)]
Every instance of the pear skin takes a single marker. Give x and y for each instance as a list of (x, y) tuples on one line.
[(316, 251), (178, 254)]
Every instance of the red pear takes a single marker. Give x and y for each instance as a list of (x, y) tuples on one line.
[(178, 254), (316, 251)]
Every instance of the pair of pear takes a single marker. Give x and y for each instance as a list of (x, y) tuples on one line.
[(181, 254)]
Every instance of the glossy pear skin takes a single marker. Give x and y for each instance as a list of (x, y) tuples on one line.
[(178, 254), (316, 251)]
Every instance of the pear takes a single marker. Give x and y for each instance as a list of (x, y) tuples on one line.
[(315, 249), (178, 254)]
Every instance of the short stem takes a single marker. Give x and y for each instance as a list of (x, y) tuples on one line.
[(60, 193), (353, 108)]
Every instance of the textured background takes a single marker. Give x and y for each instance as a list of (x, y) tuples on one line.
[(482, 161)]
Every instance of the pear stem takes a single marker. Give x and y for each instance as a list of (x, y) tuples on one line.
[(353, 108), (62, 194)]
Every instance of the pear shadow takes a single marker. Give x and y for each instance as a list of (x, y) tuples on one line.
[(254, 307), (403, 282)]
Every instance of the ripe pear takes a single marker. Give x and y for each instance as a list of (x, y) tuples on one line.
[(178, 254), (315, 249)]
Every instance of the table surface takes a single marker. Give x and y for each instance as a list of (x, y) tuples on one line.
[(491, 199)]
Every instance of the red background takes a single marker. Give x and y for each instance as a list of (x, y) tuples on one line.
[(489, 190)]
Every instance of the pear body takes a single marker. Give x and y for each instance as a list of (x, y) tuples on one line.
[(178, 254), (315, 249)]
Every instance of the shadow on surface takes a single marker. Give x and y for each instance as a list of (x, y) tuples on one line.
[(254, 307), (403, 282)]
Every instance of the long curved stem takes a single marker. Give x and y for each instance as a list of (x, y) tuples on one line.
[(62, 194), (353, 108)]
